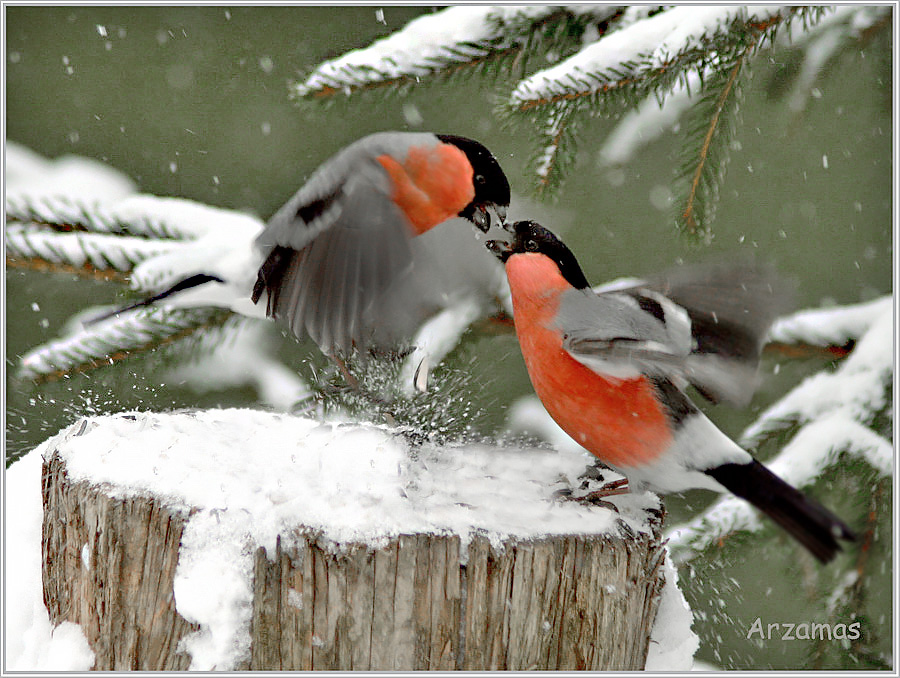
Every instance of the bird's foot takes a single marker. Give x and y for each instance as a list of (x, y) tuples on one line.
[(596, 497)]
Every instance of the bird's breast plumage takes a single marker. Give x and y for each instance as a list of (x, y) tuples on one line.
[(430, 185)]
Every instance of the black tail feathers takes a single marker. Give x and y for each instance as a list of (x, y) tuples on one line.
[(810, 523), (187, 283)]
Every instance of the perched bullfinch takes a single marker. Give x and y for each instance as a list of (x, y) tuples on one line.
[(611, 369), (342, 260), (353, 259)]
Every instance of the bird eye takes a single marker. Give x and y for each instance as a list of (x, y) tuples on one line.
[(479, 179), (531, 245)]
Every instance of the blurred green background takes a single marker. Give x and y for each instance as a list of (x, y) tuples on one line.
[(192, 102)]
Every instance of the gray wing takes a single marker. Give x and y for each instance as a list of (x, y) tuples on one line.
[(334, 286), (321, 200), (728, 307), (731, 304), (619, 335)]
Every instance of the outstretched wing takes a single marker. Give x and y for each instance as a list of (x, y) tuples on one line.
[(329, 286), (708, 326), (731, 304)]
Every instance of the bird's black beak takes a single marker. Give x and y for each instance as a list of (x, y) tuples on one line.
[(481, 216), (501, 249)]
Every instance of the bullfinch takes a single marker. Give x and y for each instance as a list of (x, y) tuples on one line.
[(353, 259), (340, 260), (611, 369)]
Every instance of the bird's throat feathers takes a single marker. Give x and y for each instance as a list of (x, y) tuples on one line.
[(431, 185), (536, 280)]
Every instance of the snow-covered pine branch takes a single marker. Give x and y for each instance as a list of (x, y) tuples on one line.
[(552, 158), (211, 240), (647, 56), (469, 38), (90, 254), (836, 326), (834, 413), (606, 59), (137, 216), (79, 216), (108, 341), (48, 231), (856, 389), (650, 54), (713, 123)]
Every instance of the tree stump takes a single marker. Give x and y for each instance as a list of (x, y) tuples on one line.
[(410, 601)]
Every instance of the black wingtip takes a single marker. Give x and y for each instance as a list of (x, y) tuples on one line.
[(810, 523), (270, 276)]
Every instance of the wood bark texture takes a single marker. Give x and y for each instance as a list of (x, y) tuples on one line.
[(566, 602), (108, 564)]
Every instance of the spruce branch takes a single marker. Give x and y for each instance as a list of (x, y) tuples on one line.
[(869, 370), (709, 162), (648, 56), (65, 214), (837, 326), (151, 242), (110, 341), (656, 58), (485, 41), (606, 60), (848, 600), (84, 271), (89, 254), (556, 151)]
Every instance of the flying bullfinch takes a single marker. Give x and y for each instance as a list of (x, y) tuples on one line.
[(611, 369), (350, 259), (342, 259)]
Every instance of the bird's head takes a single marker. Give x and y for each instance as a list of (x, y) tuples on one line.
[(490, 183), (530, 238)]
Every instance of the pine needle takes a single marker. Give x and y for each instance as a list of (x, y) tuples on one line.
[(688, 216)]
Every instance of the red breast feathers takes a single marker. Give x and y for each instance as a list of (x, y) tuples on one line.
[(432, 184)]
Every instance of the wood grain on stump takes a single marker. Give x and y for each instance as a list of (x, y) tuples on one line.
[(109, 564)]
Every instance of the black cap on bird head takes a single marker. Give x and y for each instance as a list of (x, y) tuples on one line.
[(491, 184), (530, 236)]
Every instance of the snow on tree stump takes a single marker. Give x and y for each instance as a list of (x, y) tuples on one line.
[(236, 539)]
